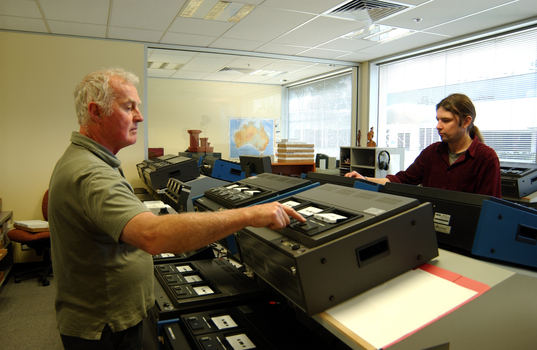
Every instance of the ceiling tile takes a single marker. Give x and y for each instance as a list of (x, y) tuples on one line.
[(305, 73), (347, 44), (289, 65), (84, 11), (252, 79), (82, 29), (321, 53), (265, 24), (235, 44), (24, 24), (199, 26), (413, 2), (404, 44), (297, 29), (252, 2), (19, 8), (437, 12), (223, 76), (187, 39), (207, 63), (246, 62), (145, 14), (319, 31), (511, 13), (160, 73), (171, 56), (311, 6), (181, 74), (135, 34), (358, 57), (281, 49)]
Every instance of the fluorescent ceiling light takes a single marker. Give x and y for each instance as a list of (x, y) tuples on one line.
[(190, 8), (380, 34), (246, 9), (268, 73), (164, 65), (217, 10)]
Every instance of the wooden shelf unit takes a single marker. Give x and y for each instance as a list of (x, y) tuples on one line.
[(6, 252), (365, 160)]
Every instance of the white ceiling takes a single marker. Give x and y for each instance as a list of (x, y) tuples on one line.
[(299, 37)]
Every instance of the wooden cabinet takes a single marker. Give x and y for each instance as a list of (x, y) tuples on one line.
[(371, 161), (292, 169), (6, 252)]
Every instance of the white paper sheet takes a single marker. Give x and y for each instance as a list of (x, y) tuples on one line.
[(396, 308)]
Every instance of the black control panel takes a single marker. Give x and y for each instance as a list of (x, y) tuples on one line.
[(197, 285), (236, 195), (169, 258), (254, 190), (266, 325), (323, 222)]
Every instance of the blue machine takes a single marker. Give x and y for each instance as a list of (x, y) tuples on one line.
[(507, 232), (227, 170)]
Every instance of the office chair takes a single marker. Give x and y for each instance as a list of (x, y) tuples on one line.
[(40, 242)]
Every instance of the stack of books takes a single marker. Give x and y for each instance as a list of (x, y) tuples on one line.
[(32, 225), (294, 151)]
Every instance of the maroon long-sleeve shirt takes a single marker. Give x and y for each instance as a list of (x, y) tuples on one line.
[(476, 171)]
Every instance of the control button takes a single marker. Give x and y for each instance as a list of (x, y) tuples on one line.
[(195, 323), (305, 226), (208, 343), (179, 290)]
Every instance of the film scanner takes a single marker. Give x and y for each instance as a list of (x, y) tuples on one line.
[(157, 173), (180, 195), (518, 179), (352, 241), (140, 167)]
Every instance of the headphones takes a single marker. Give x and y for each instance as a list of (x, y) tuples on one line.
[(384, 165)]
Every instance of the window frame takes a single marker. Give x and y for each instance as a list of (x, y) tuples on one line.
[(374, 65), (355, 99)]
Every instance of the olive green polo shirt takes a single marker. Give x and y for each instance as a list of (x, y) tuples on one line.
[(99, 279)]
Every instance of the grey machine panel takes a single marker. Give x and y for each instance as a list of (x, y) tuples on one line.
[(381, 237)]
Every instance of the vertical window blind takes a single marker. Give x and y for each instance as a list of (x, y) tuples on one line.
[(499, 75), (320, 113)]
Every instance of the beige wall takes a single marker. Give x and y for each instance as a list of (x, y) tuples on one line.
[(38, 74), (175, 106)]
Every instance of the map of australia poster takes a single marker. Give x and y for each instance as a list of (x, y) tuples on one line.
[(251, 136)]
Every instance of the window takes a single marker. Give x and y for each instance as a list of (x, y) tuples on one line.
[(320, 113), (498, 74)]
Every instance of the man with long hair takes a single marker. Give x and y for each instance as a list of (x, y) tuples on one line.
[(460, 162)]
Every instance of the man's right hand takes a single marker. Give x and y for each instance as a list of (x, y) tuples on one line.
[(274, 215)]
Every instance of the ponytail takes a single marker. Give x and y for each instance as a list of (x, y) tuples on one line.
[(474, 132)]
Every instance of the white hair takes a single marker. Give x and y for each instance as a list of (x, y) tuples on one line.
[(95, 87)]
